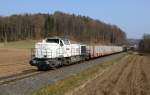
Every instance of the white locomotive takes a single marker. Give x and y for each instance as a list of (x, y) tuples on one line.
[(58, 51)]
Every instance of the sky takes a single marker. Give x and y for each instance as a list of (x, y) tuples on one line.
[(132, 16)]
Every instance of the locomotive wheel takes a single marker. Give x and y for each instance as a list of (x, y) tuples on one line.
[(54, 64), (66, 61)]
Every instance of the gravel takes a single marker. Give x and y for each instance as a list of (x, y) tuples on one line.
[(27, 85)]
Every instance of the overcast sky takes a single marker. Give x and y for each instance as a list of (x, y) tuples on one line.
[(132, 16)]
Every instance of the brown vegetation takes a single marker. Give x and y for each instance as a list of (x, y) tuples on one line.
[(144, 44), (79, 28), (129, 77), (14, 61)]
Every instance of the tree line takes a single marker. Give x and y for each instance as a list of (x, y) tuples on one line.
[(144, 44), (76, 27)]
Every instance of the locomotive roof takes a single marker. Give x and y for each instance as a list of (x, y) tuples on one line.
[(62, 38)]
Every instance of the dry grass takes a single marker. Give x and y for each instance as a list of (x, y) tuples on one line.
[(129, 77), (69, 83), (14, 57), (25, 44), (13, 61)]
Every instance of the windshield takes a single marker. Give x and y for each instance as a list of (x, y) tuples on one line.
[(52, 41), (66, 41)]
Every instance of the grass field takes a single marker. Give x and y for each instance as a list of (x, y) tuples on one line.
[(69, 83), (15, 57), (26, 44), (128, 75)]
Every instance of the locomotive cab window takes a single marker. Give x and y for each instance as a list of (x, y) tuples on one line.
[(52, 41), (66, 42), (61, 43)]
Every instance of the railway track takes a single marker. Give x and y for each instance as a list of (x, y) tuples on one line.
[(30, 73), (26, 83), (15, 77)]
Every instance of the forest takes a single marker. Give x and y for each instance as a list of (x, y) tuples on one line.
[(76, 27), (144, 44)]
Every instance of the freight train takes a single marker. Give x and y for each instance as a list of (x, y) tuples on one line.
[(54, 52)]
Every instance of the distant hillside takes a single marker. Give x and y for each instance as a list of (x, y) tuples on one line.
[(79, 28), (133, 41)]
